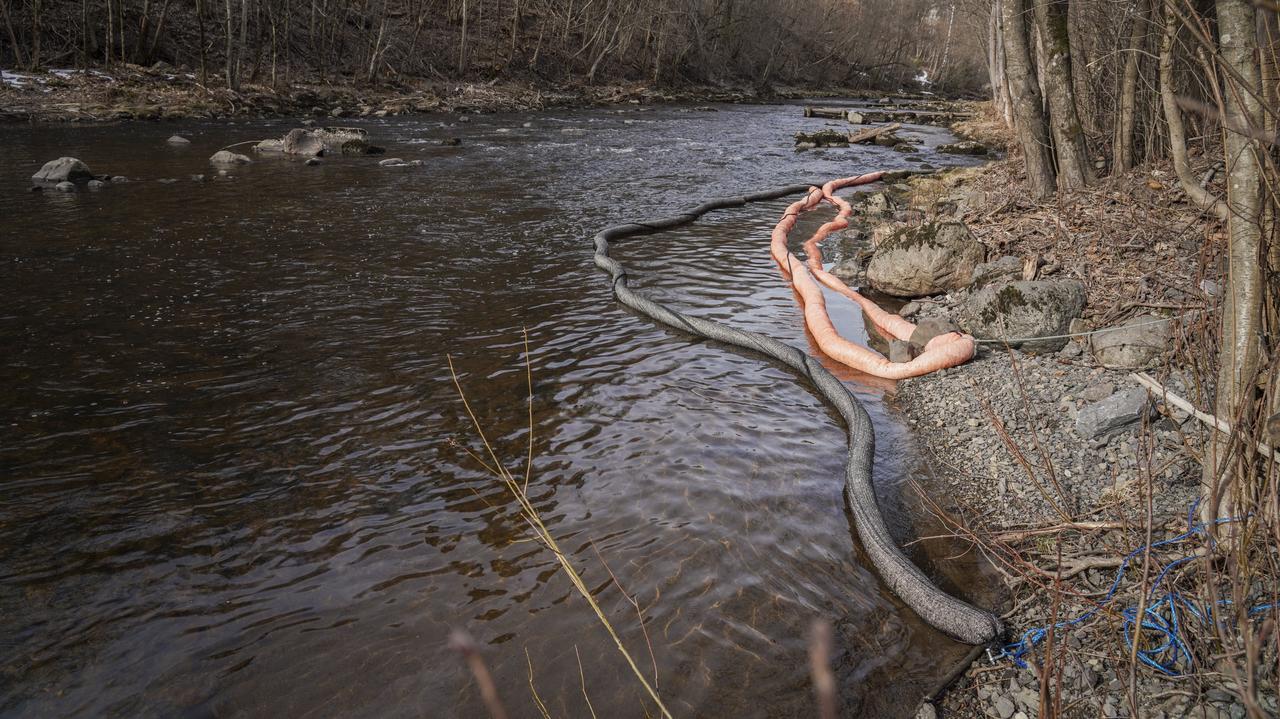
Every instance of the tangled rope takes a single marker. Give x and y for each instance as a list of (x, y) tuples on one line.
[(940, 610), (1162, 616)]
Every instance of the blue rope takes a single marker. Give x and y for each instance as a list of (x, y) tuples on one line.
[(1162, 617)]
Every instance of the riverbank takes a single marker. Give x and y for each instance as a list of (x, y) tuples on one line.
[(162, 92), (1057, 464)]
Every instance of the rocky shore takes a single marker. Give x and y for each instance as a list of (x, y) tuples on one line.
[(163, 92), (1054, 461)]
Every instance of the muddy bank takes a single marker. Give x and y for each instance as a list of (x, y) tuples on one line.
[(163, 92)]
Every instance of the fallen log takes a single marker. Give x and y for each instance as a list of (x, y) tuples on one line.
[(872, 133)]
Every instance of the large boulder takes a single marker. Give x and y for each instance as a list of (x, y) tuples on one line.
[(227, 157), (314, 142), (1016, 311), (1133, 344), (930, 259), (303, 142), (63, 169)]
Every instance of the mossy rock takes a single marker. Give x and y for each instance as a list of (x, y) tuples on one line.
[(1021, 312), (929, 259), (823, 138)]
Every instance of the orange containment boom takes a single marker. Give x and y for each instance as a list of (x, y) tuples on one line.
[(946, 350)]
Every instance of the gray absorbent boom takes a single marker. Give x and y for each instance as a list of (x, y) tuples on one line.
[(956, 618)]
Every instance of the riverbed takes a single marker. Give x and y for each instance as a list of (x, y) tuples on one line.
[(234, 477)]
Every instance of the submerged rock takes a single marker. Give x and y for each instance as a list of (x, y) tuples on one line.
[(63, 169), (933, 258), (1019, 310), (178, 140), (65, 186), (96, 184), (1133, 344), (392, 162)]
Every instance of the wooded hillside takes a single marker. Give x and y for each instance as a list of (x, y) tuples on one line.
[(872, 43)]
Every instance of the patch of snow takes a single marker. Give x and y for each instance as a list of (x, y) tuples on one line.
[(13, 79), (923, 78)]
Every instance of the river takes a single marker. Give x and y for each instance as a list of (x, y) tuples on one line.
[(233, 477)]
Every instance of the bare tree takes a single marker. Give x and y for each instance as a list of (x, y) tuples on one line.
[(1064, 120), (1029, 120)]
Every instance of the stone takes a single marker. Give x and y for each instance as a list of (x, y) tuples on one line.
[(904, 147), (226, 157), (929, 328), (909, 310), (901, 351), (269, 146), (887, 140), (96, 184), (856, 118), (392, 162), (1114, 413), (926, 711), (312, 161), (1022, 312), (930, 259), (178, 140), (451, 142), (1098, 391), (1134, 344), (65, 186), (119, 178), (63, 169), (823, 138), (1006, 267), (964, 147), (877, 203), (1004, 707)]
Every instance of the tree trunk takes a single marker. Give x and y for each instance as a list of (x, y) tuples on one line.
[(232, 81), (1064, 121), (244, 38), (462, 43), (1173, 118), (36, 32), (13, 36), (1242, 307), (1024, 98), (204, 53), (1122, 146)]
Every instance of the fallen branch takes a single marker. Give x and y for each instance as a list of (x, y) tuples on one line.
[(873, 133), (1205, 418)]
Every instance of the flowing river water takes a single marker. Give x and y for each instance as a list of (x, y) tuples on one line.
[(233, 477)]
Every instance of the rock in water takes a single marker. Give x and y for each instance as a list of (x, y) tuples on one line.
[(1113, 414), (96, 184), (1134, 344), (65, 186), (964, 147), (927, 260), (302, 142), (269, 146), (226, 157), (178, 140), (392, 162), (63, 169), (1017, 310)]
